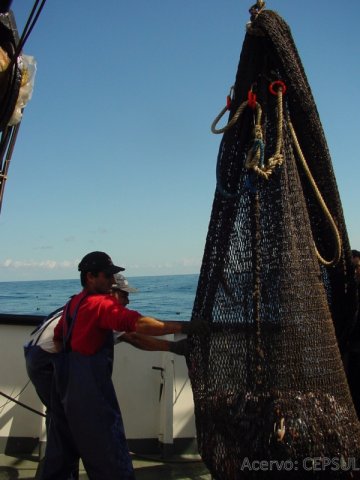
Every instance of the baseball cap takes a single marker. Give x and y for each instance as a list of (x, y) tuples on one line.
[(98, 262), (122, 284)]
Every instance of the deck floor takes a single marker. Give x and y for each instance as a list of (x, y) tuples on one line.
[(25, 466)]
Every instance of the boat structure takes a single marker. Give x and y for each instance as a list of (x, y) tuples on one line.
[(160, 393)]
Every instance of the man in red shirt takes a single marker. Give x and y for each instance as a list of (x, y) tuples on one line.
[(85, 415)]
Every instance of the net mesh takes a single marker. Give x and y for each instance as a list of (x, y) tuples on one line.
[(268, 379)]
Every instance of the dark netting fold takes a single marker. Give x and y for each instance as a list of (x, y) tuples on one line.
[(268, 380)]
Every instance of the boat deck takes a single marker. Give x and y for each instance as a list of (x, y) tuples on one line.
[(185, 468)]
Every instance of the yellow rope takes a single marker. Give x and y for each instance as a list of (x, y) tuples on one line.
[(254, 156), (232, 122), (253, 160), (322, 203), (277, 159), (260, 4)]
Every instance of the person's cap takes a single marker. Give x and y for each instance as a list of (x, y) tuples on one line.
[(122, 284), (98, 262)]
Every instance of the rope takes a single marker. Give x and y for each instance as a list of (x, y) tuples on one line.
[(335, 260), (13, 399), (255, 158), (232, 122), (279, 141), (22, 404)]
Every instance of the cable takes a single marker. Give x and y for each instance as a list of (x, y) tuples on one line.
[(7, 396), (12, 399), (30, 24)]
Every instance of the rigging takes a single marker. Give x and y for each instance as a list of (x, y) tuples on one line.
[(16, 81)]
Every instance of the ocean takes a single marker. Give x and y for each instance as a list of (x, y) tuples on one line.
[(168, 297)]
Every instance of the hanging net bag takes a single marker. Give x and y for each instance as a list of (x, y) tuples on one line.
[(276, 285)]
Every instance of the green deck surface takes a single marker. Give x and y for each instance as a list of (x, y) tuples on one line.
[(185, 468)]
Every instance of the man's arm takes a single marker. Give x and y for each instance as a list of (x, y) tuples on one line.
[(145, 342), (153, 326)]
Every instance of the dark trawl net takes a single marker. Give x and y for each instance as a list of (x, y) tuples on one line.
[(268, 380)]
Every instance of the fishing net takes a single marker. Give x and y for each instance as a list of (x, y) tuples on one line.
[(276, 283)]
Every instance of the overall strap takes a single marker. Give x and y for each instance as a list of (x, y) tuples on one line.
[(57, 317), (45, 321), (36, 334), (69, 322)]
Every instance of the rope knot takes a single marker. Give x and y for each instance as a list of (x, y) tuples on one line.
[(276, 160)]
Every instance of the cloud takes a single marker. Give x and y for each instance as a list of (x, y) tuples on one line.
[(49, 268), (190, 262), (34, 264)]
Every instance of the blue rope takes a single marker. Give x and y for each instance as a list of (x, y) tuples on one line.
[(259, 145), (249, 184)]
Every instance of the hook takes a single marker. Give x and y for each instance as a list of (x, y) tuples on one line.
[(256, 9)]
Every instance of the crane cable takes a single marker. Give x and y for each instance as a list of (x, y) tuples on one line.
[(30, 24)]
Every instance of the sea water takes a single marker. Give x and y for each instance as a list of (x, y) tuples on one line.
[(168, 297)]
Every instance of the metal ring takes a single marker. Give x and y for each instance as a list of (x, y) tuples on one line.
[(278, 83)]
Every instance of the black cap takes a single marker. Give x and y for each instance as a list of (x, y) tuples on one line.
[(98, 262)]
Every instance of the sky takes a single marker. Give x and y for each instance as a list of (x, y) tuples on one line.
[(115, 151)]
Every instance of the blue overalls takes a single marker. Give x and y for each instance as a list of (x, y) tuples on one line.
[(85, 409), (38, 362), (40, 368)]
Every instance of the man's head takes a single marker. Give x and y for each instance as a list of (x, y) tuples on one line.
[(97, 272), (121, 289), (356, 262)]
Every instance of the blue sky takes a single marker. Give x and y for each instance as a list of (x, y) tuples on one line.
[(115, 151)]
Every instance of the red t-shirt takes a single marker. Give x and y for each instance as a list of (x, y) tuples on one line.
[(96, 315)]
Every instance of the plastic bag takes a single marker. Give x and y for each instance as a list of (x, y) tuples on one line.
[(28, 68)]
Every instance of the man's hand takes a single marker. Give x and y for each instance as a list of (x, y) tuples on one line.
[(180, 347), (197, 326)]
